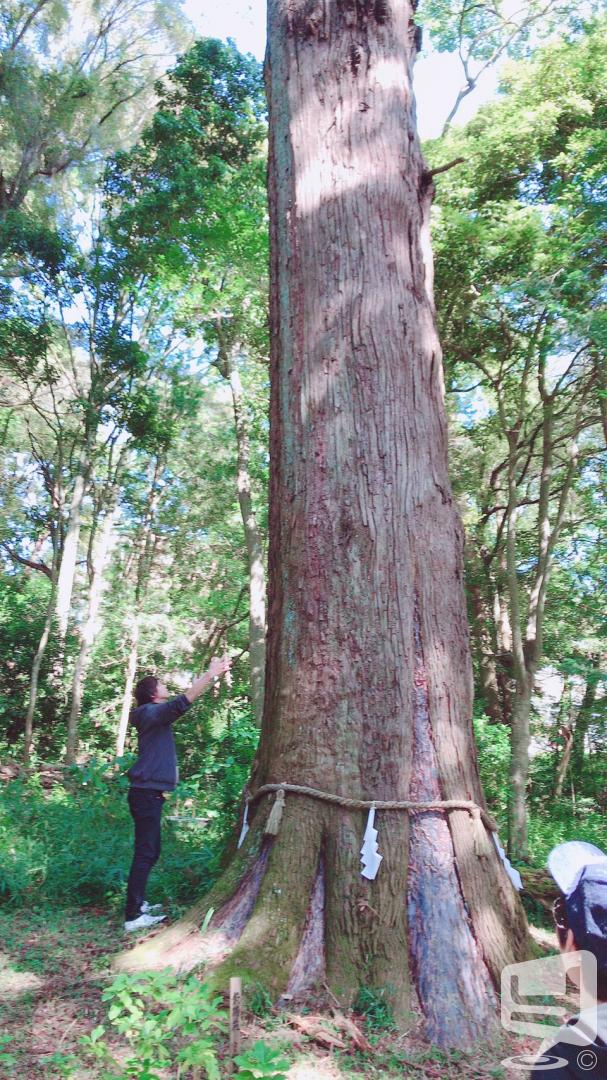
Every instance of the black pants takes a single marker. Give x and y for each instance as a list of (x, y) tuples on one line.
[(146, 811)]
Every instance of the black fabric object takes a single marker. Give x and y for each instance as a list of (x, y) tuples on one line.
[(156, 765), (146, 811), (587, 913), (578, 1061)]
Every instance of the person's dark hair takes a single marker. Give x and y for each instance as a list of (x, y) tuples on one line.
[(561, 925), (145, 689)]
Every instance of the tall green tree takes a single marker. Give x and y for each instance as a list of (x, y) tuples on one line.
[(520, 277), (192, 199), (69, 79)]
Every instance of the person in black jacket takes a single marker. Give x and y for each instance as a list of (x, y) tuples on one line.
[(155, 772), (580, 914)]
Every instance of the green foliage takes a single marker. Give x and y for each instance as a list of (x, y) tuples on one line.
[(6, 1058), (520, 283), (72, 845), (560, 822), (60, 1064), (220, 766), (67, 77), (168, 210), (23, 601), (374, 1004), (493, 748), (259, 1000), (551, 821), (166, 1019), (25, 332), (163, 1019), (261, 1062), (25, 238)]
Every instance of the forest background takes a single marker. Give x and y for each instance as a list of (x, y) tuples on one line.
[(134, 393)]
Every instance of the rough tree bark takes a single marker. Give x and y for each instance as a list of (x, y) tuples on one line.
[(368, 684)]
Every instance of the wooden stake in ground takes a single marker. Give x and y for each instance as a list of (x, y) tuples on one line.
[(235, 1003)]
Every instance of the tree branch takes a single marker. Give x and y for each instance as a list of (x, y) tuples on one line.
[(16, 557), (430, 173)]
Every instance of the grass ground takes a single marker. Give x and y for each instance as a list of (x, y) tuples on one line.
[(55, 965)]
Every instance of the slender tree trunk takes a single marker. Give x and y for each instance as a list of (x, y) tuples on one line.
[(486, 660), (90, 627), (519, 768), (257, 576), (527, 650), (600, 367), (368, 677), (521, 708), (503, 628), (582, 723), (485, 648), (502, 617), (127, 697), (563, 765), (144, 566), (67, 570), (36, 665)]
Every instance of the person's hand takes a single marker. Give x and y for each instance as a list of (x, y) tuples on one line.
[(219, 666)]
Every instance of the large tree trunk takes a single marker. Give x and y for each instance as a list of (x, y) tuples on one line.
[(368, 684)]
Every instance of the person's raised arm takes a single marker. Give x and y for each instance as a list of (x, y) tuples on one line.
[(217, 668)]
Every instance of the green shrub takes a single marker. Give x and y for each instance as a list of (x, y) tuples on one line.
[(72, 845), (557, 823), (493, 748), (259, 1000), (261, 1062), (163, 1019)]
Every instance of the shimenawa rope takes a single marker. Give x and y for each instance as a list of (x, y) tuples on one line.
[(480, 818)]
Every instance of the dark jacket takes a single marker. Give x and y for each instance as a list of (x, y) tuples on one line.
[(579, 1061), (156, 765)]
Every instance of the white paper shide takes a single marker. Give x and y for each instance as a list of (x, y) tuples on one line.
[(370, 857)]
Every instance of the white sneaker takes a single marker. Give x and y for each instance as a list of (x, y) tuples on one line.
[(150, 909), (142, 922)]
